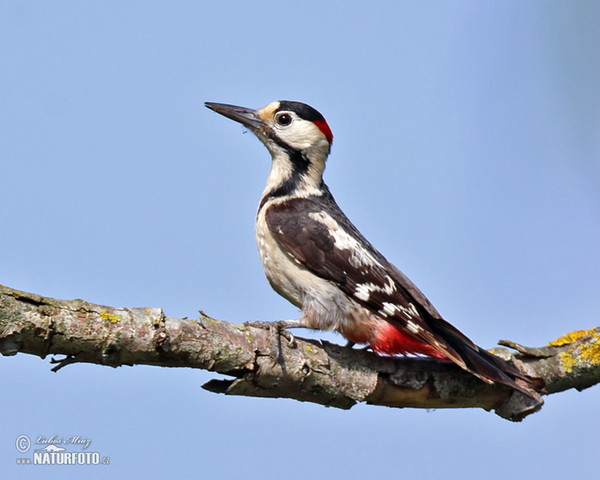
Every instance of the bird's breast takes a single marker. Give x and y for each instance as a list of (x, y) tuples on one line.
[(281, 270), (324, 306)]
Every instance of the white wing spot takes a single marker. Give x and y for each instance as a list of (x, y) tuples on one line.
[(413, 327), (409, 311), (389, 308), (358, 255), (390, 287), (363, 291)]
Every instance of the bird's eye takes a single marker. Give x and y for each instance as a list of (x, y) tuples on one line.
[(284, 119)]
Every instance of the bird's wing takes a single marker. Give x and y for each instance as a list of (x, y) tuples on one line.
[(317, 234)]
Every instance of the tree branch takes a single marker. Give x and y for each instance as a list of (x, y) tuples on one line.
[(307, 370)]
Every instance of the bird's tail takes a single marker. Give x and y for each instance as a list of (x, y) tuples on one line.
[(483, 364)]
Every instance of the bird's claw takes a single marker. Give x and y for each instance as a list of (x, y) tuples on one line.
[(277, 330)]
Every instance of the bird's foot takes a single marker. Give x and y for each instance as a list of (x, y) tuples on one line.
[(277, 330)]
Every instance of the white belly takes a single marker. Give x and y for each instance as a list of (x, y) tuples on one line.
[(324, 306)]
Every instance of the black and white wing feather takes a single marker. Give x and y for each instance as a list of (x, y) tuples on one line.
[(317, 234)]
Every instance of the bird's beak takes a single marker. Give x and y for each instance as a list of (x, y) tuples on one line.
[(246, 116)]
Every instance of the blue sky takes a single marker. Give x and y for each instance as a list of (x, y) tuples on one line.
[(466, 149)]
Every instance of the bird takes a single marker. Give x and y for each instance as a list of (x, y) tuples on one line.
[(315, 257)]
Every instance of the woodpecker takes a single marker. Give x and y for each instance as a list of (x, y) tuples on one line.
[(318, 260)]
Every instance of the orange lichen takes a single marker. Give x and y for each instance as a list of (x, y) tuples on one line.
[(110, 317), (567, 360), (585, 354), (571, 337), (590, 352)]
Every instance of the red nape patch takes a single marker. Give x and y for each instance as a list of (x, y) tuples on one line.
[(322, 124), (389, 340)]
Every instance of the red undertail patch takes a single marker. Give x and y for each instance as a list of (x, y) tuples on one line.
[(389, 340)]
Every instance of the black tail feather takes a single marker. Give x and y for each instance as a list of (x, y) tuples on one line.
[(482, 363)]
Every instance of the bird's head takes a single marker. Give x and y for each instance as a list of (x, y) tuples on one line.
[(296, 135), (295, 124)]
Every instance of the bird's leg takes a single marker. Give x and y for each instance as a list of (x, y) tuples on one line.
[(279, 327), (277, 330)]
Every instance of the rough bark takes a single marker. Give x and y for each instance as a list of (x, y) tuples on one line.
[(260, 363)]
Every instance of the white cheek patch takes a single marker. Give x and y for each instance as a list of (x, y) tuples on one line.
[(281, 170), (300, 134)]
